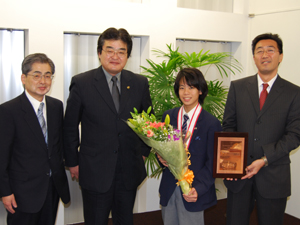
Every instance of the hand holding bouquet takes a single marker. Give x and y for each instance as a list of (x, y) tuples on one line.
[(167, 142)]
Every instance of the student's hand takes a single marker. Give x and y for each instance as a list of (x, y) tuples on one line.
[(164, 162), (192, 196), (9, 203), (253, 169), (74, 171)]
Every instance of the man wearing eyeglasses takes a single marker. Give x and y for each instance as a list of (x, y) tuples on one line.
[(32, 172), (268, 108), (109, 164)]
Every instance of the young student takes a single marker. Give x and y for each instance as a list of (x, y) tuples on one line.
[(178, 208)]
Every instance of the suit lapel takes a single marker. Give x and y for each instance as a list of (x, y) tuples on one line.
[(125, 89), (198, 127), (276, 90), (51, 120), (103, 89), (31, 118), (252, 87)]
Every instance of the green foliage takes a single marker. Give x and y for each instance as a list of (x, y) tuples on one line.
[(162, 76)]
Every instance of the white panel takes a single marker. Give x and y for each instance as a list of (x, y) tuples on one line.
[(213, 5), (11, 57)]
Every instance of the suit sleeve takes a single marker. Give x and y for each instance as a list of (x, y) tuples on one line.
[(291, 138), (203, 179), (6, 144), (229, 118), (162, 119), (146, 102), (71, 123)]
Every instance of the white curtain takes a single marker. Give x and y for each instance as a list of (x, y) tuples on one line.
[(80, 55), (11, 57), (212, 5), (209, 72)]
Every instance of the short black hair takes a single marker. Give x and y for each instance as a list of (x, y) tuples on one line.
[(193, 77), (114, 34), (274, 37), (36, 58)]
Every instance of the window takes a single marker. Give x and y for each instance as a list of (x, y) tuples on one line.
[(212, 5), (11, 56), (80, 55)]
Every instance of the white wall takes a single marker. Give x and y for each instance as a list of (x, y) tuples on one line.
[(160, 21), (282, 17)]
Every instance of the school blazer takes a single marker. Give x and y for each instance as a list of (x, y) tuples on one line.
[(202, 155)]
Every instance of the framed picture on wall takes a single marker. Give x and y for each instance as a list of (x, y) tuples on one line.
[(230, 154)]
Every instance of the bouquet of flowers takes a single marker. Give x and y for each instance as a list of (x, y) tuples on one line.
[(167, 142)]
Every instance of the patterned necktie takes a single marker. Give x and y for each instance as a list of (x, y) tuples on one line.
[(263, 95), (184, 125), (42, 121), (115, 92)]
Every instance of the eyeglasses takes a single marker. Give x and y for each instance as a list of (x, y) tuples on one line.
[(38, 77), (110, 52), (269, 51)]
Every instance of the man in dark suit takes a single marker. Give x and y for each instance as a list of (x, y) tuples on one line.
[(109, 164), (32, 172), (268, 108)]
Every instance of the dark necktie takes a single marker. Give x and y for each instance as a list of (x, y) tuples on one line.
[(42, 121), (115, 92), (263, 95), (184, 125)]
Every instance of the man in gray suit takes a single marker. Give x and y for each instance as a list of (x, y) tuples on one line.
[(268, 108)]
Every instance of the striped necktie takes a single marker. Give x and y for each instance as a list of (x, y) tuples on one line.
[(184, 125), (42, 121)]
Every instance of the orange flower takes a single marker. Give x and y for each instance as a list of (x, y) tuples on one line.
[(156, 125), (150, 133)]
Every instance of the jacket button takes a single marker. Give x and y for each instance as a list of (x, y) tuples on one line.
[(251, 156), (115, 151)]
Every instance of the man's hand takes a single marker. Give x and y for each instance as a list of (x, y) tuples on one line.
[(9, 203), (253, 169), (192, 196), (231, 179), (74, 171), (164, 162)]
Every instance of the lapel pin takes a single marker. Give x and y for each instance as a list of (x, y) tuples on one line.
[(128, 87), (195, 128)]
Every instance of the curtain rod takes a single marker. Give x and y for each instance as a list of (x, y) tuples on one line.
[(251, 15)]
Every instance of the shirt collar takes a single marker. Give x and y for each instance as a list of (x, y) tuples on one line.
[(270, 83), (109, 76), (35, 103), (190, 113)]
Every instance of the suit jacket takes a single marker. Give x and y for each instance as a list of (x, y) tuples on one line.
[(26, 160), (274, 131), (104, 133), (202, 154)]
